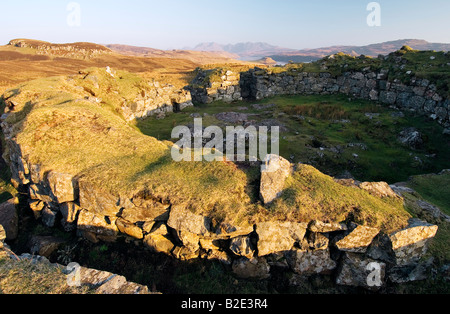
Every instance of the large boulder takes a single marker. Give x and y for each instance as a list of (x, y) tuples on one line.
[(159, 243), (129, 228), (44, 245), (69, 213), (412, 138), (95, 227), (108, 283), (146, 211), (325, 227), (158, 239), (243, 246), (379, 189), (274, 172), (94, 199), (9, 219)]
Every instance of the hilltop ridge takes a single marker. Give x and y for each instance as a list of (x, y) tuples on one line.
[(254, 51), (78, 49)]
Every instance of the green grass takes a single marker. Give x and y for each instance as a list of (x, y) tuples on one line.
[(317, 196), (24, 277), (62, 131), (433, 188), (320, 121), (336, 65)]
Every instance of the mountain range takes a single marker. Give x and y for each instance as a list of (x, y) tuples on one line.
[(253, 51)]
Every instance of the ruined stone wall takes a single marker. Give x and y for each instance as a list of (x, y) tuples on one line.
[(227, 89), (420, 95), (155, 100), (345, 250)]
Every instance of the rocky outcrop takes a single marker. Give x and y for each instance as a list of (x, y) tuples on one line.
[(410, 244), (168, 226), (75, 50)]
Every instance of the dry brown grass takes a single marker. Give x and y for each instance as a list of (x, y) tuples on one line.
[(25, 277), (20, 65)]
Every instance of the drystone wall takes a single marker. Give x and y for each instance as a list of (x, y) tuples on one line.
[(156, 100), (420, 95), (346, 250), (227, 89)]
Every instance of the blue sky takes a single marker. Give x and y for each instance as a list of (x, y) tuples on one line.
[(182, 23)]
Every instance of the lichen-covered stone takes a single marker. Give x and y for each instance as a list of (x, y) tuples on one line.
[(182, 219), (99, 225), (279, 236), (411, 243), (310, 262), (358, 240), (358, 271), (274, 173), (255, 268)]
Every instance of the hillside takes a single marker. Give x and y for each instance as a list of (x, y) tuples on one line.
[(25, 59), (245, 51), (200, 57)]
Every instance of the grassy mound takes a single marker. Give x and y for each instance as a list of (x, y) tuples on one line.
[(316, 196)]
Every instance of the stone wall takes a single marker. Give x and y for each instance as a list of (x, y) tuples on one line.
[(420, 95), (157, 99), (342, 249), (227, 88)]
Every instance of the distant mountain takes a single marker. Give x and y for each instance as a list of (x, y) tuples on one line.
[(255, 51), (372, 50), (245, 51), (195, 56)]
